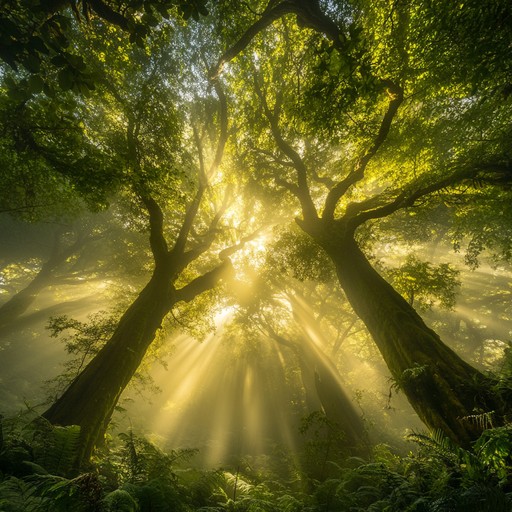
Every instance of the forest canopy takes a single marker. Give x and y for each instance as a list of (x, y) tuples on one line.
[(272, 236)]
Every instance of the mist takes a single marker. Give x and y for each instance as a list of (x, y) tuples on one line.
[(255, 256)]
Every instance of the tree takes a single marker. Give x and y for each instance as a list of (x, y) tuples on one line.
[(63, 255), (90, 399), (159, 162), (446, 392), (425, 283), (282, 311), (21, 301), (38, 36)]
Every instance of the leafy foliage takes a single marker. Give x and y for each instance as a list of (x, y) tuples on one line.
[(424, 284), (38, 36), (295, 254), (359, 108), (137, 476), (82, 341), (36, 447)]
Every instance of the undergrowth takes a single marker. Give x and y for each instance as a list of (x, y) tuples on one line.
[(36, 475)]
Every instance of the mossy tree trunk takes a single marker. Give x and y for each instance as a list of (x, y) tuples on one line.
[(90, 399), (446, 392)]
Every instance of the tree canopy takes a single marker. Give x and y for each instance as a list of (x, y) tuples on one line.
[(323, 177)]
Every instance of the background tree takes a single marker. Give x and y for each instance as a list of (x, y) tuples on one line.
[(281, 307)]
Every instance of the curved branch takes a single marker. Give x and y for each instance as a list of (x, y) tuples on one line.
[(301, 189), (157, 240), (271, 333), (405, 199), (205, 282), (308, 13), (271, 13), (208, 237), (228, 251), (181, 241), (336, 193)]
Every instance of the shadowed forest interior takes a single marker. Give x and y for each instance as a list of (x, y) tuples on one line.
[(255, 256)]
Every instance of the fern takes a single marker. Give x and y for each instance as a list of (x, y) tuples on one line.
[(59, 455), (474, 499), (483, 420), (17, 495), (80, 494), (440, 445), (287, 503), (33, 445)]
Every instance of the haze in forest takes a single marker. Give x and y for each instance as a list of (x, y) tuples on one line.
[(255, 255), (231, 397)]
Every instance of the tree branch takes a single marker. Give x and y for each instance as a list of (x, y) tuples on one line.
[(181, 241), (200, 157), (205, 282), (336, 193), (405, 199), (301, 190), (223, 133), (308, 14), (271, 333), (271, 13), (228, 251), (209, 236), (325, 180), (157, 240)]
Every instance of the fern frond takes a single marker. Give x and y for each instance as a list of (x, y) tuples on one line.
[(19, 496), (58, 454), (482, 420), (440, 445)]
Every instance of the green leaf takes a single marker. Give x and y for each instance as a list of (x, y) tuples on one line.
[(66, 79), (32, 63), (35, 84), (49, 91), (76, 61), (59, 61), (37, 44), (84, 89)]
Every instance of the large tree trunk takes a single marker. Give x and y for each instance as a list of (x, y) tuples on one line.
[(446, 392), (90, 399)]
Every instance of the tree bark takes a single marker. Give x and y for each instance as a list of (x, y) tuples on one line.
[(90, 399), (446, 392)]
